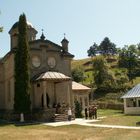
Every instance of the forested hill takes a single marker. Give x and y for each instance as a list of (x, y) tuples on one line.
[(110, 91), (108, 69), (86, 65)]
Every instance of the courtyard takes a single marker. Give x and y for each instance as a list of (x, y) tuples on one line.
[(13, 131)]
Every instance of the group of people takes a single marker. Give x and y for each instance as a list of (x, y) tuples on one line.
[(91, 112)]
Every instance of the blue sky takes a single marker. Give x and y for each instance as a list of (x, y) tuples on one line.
[(83, 21)]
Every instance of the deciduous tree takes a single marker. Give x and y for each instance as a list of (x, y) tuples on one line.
[(128, 58), (102, 76), (78, 74)]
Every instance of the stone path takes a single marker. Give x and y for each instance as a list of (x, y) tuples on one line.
[(90, 123)]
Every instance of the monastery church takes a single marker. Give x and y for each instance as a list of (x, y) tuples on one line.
[(50, 73)]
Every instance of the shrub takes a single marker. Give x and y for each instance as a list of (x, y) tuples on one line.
[(78, 110)]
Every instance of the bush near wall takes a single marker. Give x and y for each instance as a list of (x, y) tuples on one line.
[(107, 105)]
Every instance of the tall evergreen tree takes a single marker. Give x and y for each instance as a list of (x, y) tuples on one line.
[(107, 47), (93, 50), (22, 79)]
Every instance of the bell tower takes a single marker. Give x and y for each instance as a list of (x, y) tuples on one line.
[(31, 34), (65, 43)]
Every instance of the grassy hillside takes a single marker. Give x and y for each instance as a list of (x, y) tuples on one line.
[(86, 64), (79, 62), (88, 73)]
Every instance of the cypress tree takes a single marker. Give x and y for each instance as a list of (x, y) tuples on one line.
[(22, 78)]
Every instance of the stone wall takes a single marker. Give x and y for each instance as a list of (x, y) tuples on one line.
[(36, 115)]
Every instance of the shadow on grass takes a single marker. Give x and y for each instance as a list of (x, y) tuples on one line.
[(137, 123), (4, 123), (16, 123)]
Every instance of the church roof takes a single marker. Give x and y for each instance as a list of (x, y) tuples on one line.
[(50, 42), (78, 87), (133, 93), (65, 40), (29, 25), (49, 75)]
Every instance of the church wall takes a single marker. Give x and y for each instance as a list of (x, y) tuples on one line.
[(9, 81), (63, 64), (66, 63), (51, 92), (2, 103), (37, 95), (14, 36), (63, 92), (34, 70)]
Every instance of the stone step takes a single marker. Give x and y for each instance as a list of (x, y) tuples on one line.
[(61, 117)]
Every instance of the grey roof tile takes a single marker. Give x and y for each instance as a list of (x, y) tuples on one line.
[(133, 93)]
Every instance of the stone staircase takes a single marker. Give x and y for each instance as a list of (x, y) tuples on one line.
[(61, 117)]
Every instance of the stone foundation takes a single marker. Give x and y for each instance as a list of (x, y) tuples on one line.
[(46, 115)]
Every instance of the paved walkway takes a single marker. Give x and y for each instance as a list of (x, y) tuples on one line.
[(90, 123)]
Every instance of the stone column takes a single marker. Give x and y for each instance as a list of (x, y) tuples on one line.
[(125, 105), (44, 94), (68, 94), (87, 100), (83, 102)]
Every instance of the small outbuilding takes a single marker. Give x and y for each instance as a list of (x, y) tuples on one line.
[(81, 94), (132, 101)]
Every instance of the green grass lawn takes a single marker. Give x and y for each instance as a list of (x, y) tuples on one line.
[(75, 132), (116, 117)]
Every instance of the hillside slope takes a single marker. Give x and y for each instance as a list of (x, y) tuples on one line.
[(86, 64)]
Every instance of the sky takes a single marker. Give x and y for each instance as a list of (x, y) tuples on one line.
[(83, 21)]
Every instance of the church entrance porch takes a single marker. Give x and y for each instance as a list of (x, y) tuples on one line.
[(51, 89)]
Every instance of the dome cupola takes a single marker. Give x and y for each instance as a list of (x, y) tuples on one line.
[(31, 33)]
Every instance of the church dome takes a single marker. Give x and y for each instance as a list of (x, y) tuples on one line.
[(29, 25)]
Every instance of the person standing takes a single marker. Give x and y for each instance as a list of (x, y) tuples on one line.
[(95, 112), (69, 114), (90, 112)]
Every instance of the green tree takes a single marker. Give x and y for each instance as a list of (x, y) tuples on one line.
[(128, 58), (102, 76), (78, 74), (121, 78), (1, 29), (22, 79), (78, 110), (93, 50), (106, 47)]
